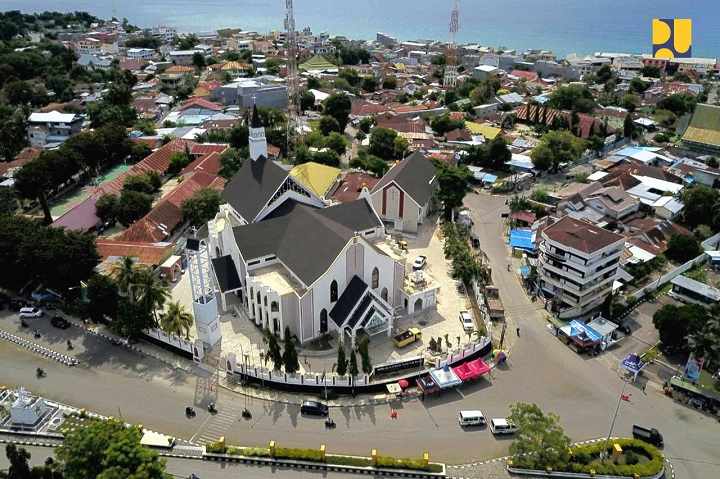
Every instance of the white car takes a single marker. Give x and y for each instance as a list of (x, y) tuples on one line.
[(31, 313), (419, 263), (467, 321)]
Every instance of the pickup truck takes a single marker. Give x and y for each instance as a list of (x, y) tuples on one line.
[(407, 337), (651, 436)]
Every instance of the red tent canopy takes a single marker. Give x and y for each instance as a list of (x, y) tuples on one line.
[(472, 369)]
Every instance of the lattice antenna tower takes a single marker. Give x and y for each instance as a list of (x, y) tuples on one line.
[(113, 11), (294, 137), (451, 69)]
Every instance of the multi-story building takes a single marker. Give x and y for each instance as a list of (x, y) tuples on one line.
[(141, 53), (246, 91), (164, 34), (89, 46), (52, 128), (182, 57), (578, 264)]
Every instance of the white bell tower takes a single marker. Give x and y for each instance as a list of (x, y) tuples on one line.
[(202, 287), (258, 143)]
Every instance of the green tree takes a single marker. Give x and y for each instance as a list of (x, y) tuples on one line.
[(338, 106), (705, 343), (178, 161), (126, 273), (539, 438), (33, 180), (699, 203), (371, 163), (369, 83), (132, 319), (572, 97), (342, 362), (452, 185), (350, 75), (198, 60), (630, 102), (389, 82), (676, 323), (400, 146), (202, 206), (328, 124), (353, 364), (628, 127), (651, 71), (102, 294), (307, 101), (176, 320), (327, 157), (290, 354), (366, 123), (18, 458), (678, 103), (139, 182), (13, 131), (274, 350), (557, 147), (139, 152), (683, 248), (8, 201), (132, 206), (363, 347), (604, 74), (108, 450), (336, 142), (382, 143), (442, 124), (151, 292), (231, 160), (637, 85)]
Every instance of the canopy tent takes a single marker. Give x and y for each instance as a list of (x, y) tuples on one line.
[(478, 367), (471, 370), (445, 377), (581, 334), (427, 385), (522, 239), (634, 364)]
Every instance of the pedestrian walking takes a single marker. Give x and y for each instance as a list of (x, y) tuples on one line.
[(644, 386), (393, 414), (517, 330)]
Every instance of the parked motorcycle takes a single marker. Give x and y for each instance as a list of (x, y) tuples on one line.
[(246, 414), (190, 412), (211, 408), (39, 372), (69, 344), (329, 423), (37, 334)]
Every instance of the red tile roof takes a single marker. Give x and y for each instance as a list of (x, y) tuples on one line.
[(166, 215), (208, 163), (525, 216), (28, 153), (458, 135), (523, 74), (150, 254), (365, 108), (351, 184), (202, 103), (132, 64), (179, 69)]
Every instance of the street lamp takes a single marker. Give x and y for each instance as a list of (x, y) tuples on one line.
[(324, 382), (612, 424)]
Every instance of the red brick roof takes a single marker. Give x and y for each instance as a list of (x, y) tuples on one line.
[(28, 153), (209, 164), (458, 135), (365, 108)]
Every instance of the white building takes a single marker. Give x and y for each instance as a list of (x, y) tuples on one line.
[(141, 53), (164, 34), (578, 264), (53, 127), (182, 57), (295, 262)]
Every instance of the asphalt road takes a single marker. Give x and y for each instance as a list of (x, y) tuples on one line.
[(584, 391)]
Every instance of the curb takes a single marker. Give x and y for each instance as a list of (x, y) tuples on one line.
[(323, 467), (42, 350), (28, 443)]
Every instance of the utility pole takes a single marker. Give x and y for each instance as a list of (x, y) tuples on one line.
[(451, 69), (612, 424), (294, 124)]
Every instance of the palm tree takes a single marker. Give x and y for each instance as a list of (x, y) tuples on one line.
[(126, 273), (176, 320), (150, 291), (706, 342)]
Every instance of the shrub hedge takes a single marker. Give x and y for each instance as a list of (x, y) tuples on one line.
[(585, 458)]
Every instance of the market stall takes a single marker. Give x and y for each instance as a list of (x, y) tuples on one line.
[(634, 364), (580, 337), (445, 377)]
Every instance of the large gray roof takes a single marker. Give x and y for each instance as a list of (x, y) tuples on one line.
[(413, 175), (307, 240), (253, 186)]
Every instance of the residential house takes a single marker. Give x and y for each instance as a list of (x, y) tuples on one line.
[(92, 62), (47, 129), (89, 46), (181, 57), (404, 197), (577, 265), (483, 71), (692, 291), (627, 63), (613, 202), (141, 54)]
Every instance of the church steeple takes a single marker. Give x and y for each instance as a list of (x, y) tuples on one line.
[(258, 143)]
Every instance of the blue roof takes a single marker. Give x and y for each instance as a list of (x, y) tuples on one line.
[(522, 239), (541, 98), (524, 271), (633, 363), (578, 327), (489, 178)]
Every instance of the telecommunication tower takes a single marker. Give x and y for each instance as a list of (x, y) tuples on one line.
[(113, 11), (451, 69), (294, 136)]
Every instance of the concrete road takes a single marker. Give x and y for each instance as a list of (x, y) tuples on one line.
[(584, 391)]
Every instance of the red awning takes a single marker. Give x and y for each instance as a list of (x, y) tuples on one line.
[(472, 369), (479, 367)]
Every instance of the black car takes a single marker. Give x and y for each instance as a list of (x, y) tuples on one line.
[(622, 326), (60, 322), (314, 408), (17, 304)]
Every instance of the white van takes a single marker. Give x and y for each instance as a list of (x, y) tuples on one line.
[(30, 312), (471, 418), (502, 426)]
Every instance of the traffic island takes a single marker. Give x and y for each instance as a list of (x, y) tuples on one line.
[(620, 458), (318, 459)]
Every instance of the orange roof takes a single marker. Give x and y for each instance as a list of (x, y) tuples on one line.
[(28, 153), (202, 103), (179, 69), (209, 164)]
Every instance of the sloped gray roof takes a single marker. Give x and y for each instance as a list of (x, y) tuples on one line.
[(413, 175), (307, 240), (253, 186)]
